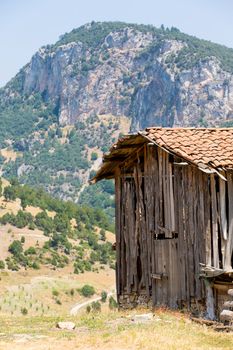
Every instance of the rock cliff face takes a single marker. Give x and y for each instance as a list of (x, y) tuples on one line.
[(129, 73), (74, 98)]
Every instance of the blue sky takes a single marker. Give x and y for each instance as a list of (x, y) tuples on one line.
[(26, 25)]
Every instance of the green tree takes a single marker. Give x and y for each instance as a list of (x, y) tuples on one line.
[(104, 296), (15, 248), (62, 223), (30, 251), (87, 290), (9, 193), (22, 219), (23, 203), (44, 222)]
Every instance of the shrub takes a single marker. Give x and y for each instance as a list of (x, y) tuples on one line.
[(31, 226), (102, 235), (12, 265), (88, 309), (9, 193), (30, 251), (82, 265), (94, 156), (15, 248), (104, 296), (55, 292), (44, 222), (96, 306), (2, 264), (112, 303), (87, 290), (62, 223), (24, 311), (35, 265)]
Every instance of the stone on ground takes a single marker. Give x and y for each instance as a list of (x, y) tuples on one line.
[(142, 317), (226, 315), (66, 325)]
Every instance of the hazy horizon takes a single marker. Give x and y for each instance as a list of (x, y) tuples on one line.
[(28, 25)]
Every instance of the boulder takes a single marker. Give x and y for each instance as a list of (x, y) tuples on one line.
[(142, 317), (226, 315), (66, 325), (228, 305), (230, 292)]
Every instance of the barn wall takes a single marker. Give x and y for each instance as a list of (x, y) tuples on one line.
[(167, 223)]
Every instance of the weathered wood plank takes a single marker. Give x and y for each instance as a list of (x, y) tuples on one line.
[(207, 211), (171, 190), (190, 230), (156, 221), (229, 243), (160, 180), (118, 229), (214, 221), (186, 235), (178, 186), (149, 206), (223, 211), (200, 216)]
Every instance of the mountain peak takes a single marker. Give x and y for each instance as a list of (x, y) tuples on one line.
[(74, 98)]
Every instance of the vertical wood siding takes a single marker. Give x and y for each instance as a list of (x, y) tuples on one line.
[(170, 218)]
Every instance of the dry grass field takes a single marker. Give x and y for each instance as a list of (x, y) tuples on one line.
[(38, 291), (49, 294), (111, 330)]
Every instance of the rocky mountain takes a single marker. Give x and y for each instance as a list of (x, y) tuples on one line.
[(74, 98)]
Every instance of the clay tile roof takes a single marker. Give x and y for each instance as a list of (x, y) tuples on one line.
[(197, 145), (207, 148)]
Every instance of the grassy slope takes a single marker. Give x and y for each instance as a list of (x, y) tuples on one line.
[(48, 291), (38, 291), (112, 330)]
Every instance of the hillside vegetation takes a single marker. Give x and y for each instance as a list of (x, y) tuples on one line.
[(64, 109), (72, 234), (195, 49)]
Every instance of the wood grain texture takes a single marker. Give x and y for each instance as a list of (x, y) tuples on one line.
[(169, 220)]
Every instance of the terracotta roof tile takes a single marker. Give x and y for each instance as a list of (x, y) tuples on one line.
[(197, 145), (207, 148)]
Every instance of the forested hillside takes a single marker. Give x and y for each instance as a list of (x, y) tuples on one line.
[(52, 232), (76, 97)]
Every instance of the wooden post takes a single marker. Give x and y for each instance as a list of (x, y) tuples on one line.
[(209, 301)]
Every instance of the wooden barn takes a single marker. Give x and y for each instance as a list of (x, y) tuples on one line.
[(174, 217)]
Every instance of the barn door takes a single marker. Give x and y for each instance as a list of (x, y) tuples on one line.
[(165, 275)]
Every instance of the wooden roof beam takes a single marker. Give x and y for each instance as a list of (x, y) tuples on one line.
[(134, 145)]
